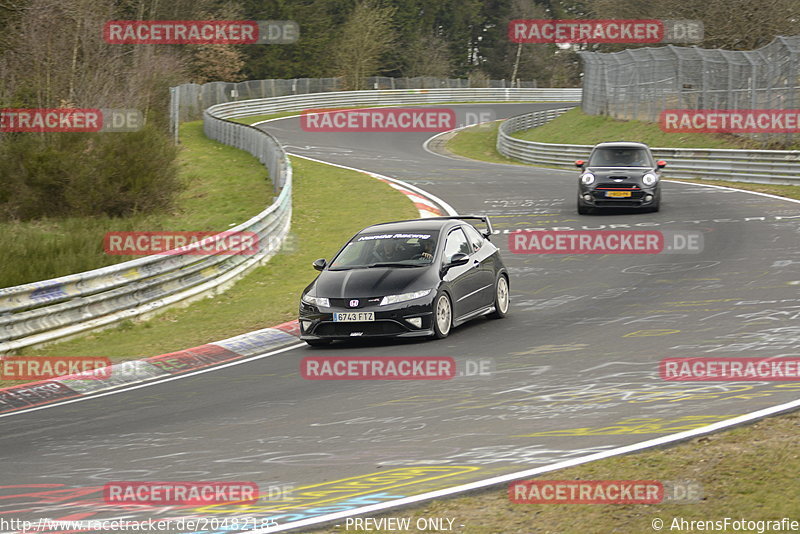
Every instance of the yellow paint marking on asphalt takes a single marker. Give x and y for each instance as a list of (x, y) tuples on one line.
[(652, 333), (346, 488)]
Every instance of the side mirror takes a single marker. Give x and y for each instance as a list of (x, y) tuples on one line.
[(579, 163), (661, 164), (320, 264), (459, 258)]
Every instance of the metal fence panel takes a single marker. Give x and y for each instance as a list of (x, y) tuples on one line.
[(638, 84)]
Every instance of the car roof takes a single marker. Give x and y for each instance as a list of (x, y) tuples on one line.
[(413, 225), (621, 144)]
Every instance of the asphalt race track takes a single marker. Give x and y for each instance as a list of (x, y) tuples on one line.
[(575, 362)]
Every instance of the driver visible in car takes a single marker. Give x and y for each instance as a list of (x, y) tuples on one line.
[(427, 249), (386, 250)]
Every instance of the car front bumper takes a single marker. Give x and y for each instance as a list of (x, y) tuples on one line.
[(595, 198), (316, 322)]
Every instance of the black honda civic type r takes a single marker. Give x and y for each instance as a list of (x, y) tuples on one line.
[(619, 174), (417, 278)]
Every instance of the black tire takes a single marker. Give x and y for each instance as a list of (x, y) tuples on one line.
[(501, 298), (442, 324), (655, 207), (318, 342), (583, 210)]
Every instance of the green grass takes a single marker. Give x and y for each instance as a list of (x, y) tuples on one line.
[(258, 118), (479, 142), (577, 128), (224, 187), (748, 472), (322, 219)]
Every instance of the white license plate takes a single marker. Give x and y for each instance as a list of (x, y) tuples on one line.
[(353, 317)]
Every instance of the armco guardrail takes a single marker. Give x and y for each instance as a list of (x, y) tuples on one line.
[(41, 312), (756, 166), (395, 97), (188, 100)]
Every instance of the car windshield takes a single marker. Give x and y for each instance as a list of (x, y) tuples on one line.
[(391, 249), (620, 157)]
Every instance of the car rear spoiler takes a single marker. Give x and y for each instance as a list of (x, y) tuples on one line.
[(483, 218)]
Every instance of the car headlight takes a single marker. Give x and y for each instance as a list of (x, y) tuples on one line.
[(317, 301), (649, 178), (394, 299), (587, 178)]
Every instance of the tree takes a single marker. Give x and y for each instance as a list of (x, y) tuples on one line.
[(428, 55), (216, 63), (365, 37), (728, 24), (58, 59)]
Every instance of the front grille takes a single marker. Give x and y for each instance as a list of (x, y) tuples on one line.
[(376, 328), (362, 302), (610, 185)]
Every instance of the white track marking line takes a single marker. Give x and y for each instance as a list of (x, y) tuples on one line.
[(155, 382)]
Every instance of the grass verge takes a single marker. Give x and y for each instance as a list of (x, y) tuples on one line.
[(321, 221), (479, 142), (224, 187), (748, 472), (577, 128)]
